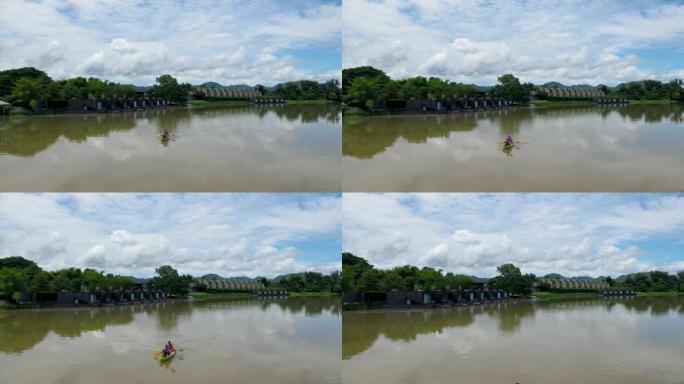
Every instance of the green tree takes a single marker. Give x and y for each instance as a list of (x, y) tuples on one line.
[(61, 283), (363, 92), (512, 280), (29, 91), (457, 281), (510, 88), (41, 282), (12, 283), (9, 77), (167, 87), (368, 72), (168, 280)]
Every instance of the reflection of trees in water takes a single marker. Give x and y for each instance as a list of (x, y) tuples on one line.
[(31, 135), (366, 137), (20, 330), (360, 330)]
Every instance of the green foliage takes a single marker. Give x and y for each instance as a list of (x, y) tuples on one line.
[(307, 282), (358, 275), (29, 91), (511, 279), (362, 86), (167, 88), (9, 77), (12, 281), (305, 90), (510, 88), (22, 275), (368, 72), (651, 90), (169, 280), (654, 281)]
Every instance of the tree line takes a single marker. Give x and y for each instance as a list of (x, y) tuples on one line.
[(364, 86), (359, 275), (18, 275), (32, 88), (303, 90), (647, 90), (654, 281), (305, 282)]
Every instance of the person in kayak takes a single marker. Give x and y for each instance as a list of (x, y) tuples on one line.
[(509, 141), (168, 348)]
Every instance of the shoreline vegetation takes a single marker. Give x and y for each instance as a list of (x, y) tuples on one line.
[(202, 296), (360, 276), (31, 91), (370, 91), (23, 284)]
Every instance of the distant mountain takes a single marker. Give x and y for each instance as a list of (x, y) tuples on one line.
[(554, 276), (559, 276), (213, 84), (555, 84), (278, 278), (480, 280), (213, 276)]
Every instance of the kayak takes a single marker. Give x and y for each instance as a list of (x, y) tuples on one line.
[(163, 359)]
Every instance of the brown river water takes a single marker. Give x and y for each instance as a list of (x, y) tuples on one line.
[(287, 148), (294, 340), (622, 341), (631, 148)]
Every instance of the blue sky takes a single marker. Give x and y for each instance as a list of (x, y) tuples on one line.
[(227, 41), (572, 234), (571, 41), (229, 234)]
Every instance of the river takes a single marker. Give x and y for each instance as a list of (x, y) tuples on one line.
[(629, 341), (287, 148), (605, 149), (294, 340)]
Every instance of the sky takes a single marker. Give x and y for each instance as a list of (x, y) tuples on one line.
[(597, 234), (227, 41), (475, 41), (230, 234)]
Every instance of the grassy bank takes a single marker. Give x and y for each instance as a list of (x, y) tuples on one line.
[(565, 296), (220, 296), (247, 295), (313, 294), (639, 102), (198, 104), (583, 103), (591, 295), (555, 103), (239, 103), (653, 294)]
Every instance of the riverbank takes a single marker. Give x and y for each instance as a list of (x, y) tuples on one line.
[(198, 104), (248, 295), (551, 296), (587, 103)]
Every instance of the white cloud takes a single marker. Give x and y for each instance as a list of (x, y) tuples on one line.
[(569, 41), (230, 234), (135, 41), (571, 234)]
